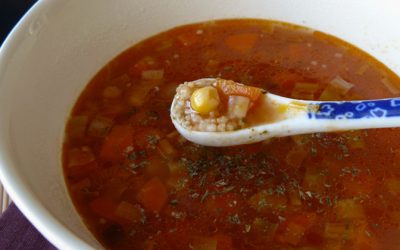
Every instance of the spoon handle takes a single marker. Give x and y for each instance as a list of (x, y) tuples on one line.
[(382, 109), (346, 115)]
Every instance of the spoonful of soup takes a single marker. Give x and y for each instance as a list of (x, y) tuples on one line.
[(218, 112)]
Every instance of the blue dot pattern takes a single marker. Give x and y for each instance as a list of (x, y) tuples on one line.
[(357, 109)]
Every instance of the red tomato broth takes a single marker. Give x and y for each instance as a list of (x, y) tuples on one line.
[(152, 189)]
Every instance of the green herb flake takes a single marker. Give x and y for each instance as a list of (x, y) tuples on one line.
[(153, 139), (173, 202), (234, 219), (204, 196), (132, 156)]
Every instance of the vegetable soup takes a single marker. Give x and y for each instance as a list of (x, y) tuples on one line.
[(139, 185)]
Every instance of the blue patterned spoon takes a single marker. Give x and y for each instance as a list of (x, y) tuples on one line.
[(301, 117)]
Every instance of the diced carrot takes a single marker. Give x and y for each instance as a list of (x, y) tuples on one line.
[(117, 143), (241, 42), (128, 211), (339, 231), (103, 207), (81, 162), (263, 230), (228, 88), (296, 156), (314, 180), (157, 166), (349, 209), (188, 39), (80, 157), (153, 195), (166, 149), (176, 169)]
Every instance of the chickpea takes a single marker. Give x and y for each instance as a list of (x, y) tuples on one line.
[(205, 100)]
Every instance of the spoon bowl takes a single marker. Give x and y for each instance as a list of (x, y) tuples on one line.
[(299, 117)]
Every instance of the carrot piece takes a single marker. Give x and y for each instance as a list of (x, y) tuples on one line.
[(128, 211), (232, 88), (80, 157), (81, 162), (80, 185), (103, 207), (241, 42), (296, 156), (166, 149), (116, 143), (153, 195), (349, 209)]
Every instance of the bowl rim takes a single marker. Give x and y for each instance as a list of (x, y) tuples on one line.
[(41, 218)]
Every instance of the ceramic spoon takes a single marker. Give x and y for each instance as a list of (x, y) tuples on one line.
[(302, 117)]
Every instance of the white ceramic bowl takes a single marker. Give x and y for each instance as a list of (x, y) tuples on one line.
[(59, 45)]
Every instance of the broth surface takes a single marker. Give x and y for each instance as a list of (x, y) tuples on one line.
[(138, 185)]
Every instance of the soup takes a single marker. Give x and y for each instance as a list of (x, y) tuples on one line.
[(139, 185)]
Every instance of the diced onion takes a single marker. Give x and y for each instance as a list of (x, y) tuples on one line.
[(341, 84), (390, 86), (238, 106), (153, 74), (99, 126)]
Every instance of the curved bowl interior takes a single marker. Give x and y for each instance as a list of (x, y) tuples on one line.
[(59, 45)]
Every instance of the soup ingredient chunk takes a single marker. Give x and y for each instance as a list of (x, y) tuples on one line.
[(215, 105), (138, 184), (205, 100)]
